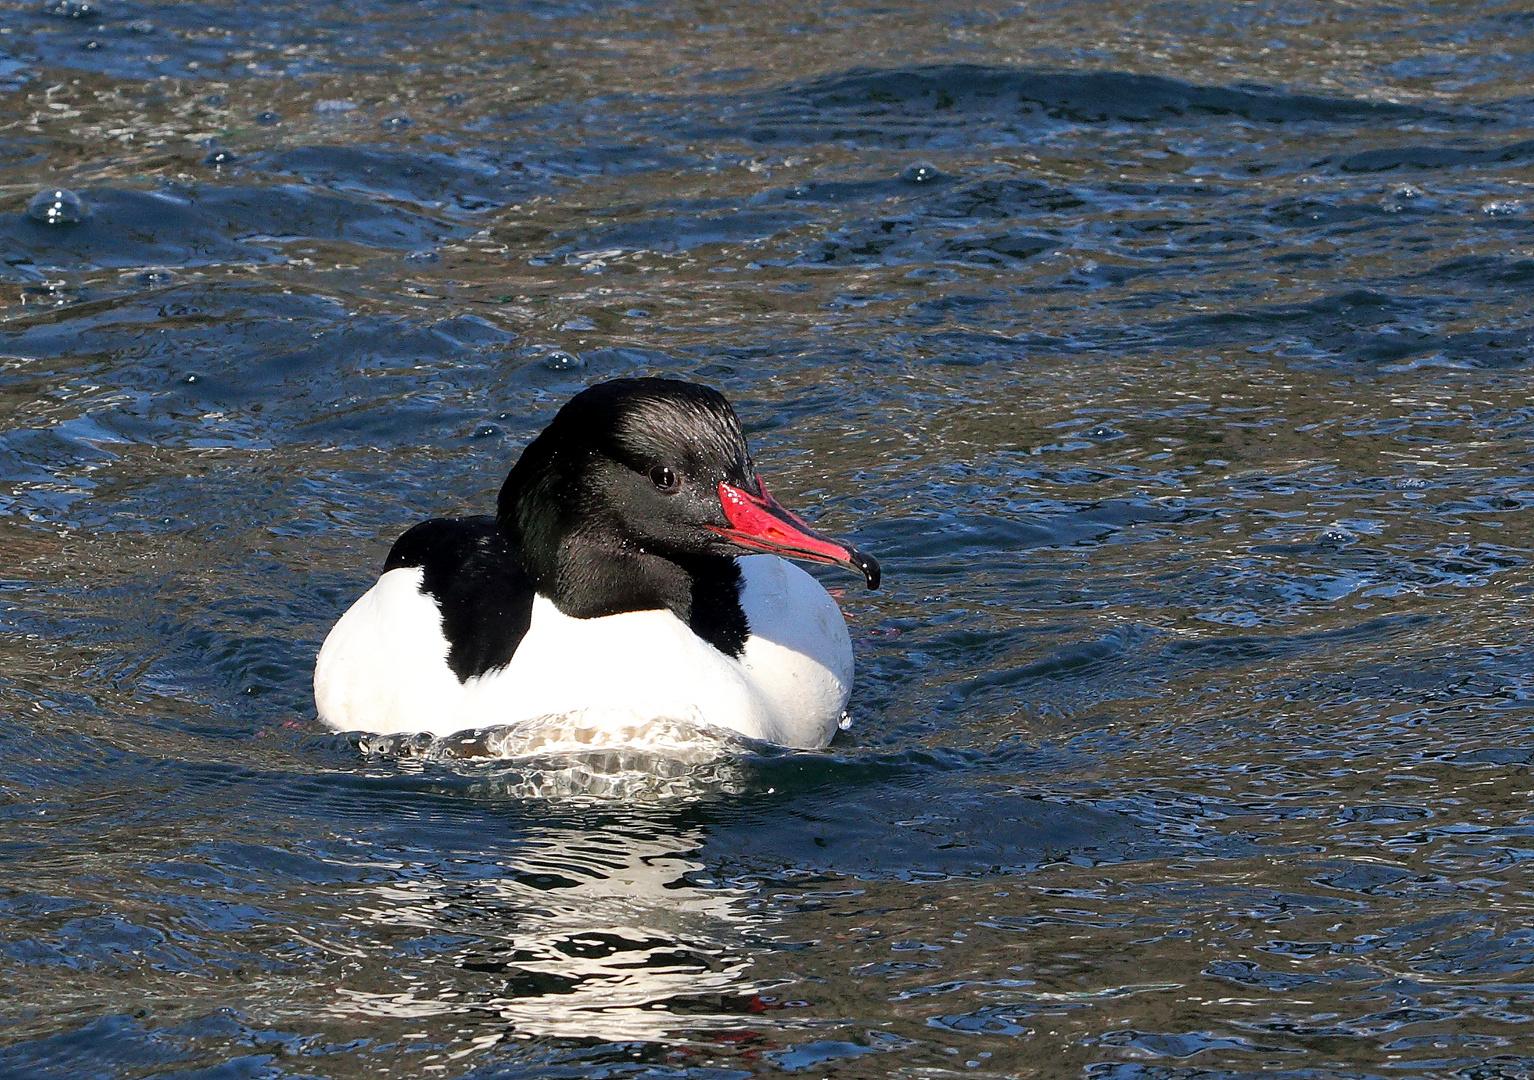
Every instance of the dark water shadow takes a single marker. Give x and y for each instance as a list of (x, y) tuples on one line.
[(928, 103), (1359, 326), (206, 226)]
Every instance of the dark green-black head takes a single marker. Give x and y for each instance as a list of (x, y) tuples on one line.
[(651, 468)]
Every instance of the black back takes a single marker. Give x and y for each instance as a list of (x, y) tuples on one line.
[(473, 574)]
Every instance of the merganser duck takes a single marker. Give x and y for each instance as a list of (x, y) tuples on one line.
[(631, 569)]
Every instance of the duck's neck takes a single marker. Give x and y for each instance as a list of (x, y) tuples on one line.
[(588, 577)]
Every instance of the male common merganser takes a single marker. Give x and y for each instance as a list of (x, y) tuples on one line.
[(622, 575)]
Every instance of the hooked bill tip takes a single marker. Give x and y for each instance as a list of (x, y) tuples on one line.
[(869, 567)]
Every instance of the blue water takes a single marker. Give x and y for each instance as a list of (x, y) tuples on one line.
[(1172, 358)]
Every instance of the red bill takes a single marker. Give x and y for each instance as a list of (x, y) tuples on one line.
[(759, 523)]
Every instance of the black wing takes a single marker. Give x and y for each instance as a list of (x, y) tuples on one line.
[(472, 572)]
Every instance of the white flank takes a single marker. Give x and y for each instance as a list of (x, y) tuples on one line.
[(384, 666)]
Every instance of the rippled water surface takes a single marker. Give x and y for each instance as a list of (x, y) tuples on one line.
[(1173, 358)]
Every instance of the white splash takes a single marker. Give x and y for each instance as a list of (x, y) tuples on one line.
[(594, 753)]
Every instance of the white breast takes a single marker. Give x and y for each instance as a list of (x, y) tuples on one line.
[(798, 653), (384, 666)]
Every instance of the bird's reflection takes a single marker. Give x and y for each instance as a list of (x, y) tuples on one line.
[(600, 921)]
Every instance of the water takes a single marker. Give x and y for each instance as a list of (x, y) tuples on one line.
[(1173, 359)]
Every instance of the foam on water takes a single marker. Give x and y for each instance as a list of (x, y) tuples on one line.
[(597, 754)]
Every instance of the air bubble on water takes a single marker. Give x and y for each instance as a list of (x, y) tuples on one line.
[(71, 9), (154, 278), (395, 123), (92, 45), (560, 360), (1103, 432), (920, 172), (1400, 196), (1411, 482), (191, 378), (220, 158), (1336, 535), (57, 206), (1502, 208), (52, 293), (487, 431), (268, 118), (844, 722)]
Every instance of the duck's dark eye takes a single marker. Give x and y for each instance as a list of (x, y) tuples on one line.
[(663, 478)]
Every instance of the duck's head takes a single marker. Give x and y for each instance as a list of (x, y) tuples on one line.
[(650, 469)]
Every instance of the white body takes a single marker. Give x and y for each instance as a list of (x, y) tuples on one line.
[(383, 667)]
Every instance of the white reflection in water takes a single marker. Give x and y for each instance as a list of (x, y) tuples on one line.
[(600, 924)]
